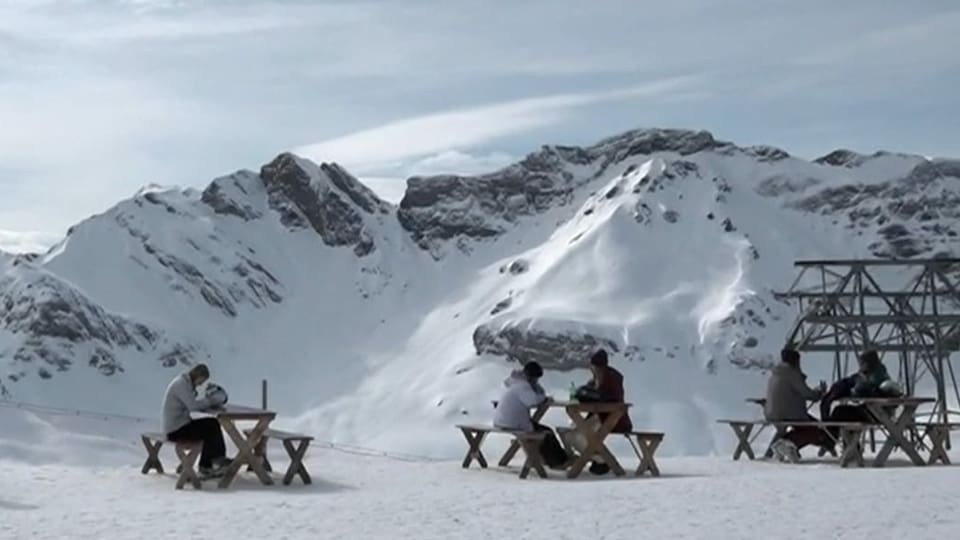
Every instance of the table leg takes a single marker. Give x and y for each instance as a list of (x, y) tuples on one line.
[(474, 439), (852, 447), (297, 467), (515, 445), (595, 444), (153, 456), (742, 431), (531, 449), (895, 429), (648, 448), (245, 454), (187, 470), (938, 439)]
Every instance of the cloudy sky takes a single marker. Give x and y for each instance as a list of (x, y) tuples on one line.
[(100, 97)]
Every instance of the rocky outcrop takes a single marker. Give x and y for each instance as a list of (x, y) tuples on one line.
[(913, 215), (439, 208), (230, 195), (327, 199), (61, 326), (557, 350)]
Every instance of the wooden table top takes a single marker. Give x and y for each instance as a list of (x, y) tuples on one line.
[(592, 406), (888, 400), (240, 412)]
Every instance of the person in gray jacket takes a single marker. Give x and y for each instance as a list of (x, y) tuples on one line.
[(787, 396), (178, 402)]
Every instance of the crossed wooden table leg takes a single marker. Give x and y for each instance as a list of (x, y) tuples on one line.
[(852, 446), (245, 451), (153, 455), (648, 446), (742, 431), (531, 449), (296, 454), (474, 439), (595, 446), (515, 445), (896, 429), (187, 470), (938, 440)]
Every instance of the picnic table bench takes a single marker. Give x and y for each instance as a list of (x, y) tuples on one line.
[(938, 432), (896, 416), (645, 448), (851, 436), (647, 441), (189, 452), (529, 441), (295, 444)]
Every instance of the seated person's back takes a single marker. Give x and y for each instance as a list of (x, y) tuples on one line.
[(513, 409), (787, 390)]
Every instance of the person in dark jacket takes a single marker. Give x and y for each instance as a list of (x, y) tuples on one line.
[(870, 380), (606, 386), (607, 382), (787, 396)]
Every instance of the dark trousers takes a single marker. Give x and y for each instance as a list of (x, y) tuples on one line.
[(806, 435), (206, 430), (550, 449), (840, 389), (850, 413)]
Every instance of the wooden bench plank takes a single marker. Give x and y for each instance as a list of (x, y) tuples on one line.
[(287, 435)]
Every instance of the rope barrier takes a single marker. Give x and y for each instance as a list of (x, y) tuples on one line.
[(103, 416)]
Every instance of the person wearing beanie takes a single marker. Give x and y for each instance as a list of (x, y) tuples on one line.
[(522, 394), (605, 386), (786, 399)]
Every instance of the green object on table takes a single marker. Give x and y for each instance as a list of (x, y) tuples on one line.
[(573, 392)]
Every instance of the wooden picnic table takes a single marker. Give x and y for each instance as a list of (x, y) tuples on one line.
[(578, 413), (245, 440), (896, 416)]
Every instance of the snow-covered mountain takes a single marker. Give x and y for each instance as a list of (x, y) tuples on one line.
[(382, 325)]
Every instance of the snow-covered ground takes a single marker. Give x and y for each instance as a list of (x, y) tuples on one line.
[(376, 497), (73, 477)]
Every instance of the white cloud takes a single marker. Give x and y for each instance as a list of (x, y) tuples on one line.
[(26, 242), (438, 132), (459, 162), (388, 188), (98, 97)]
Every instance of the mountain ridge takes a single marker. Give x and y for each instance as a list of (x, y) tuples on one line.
[(655, 244)]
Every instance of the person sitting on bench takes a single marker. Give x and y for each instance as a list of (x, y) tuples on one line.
[(787, 395), (870, 380), (606, 386), (179, 400), (523, 392)]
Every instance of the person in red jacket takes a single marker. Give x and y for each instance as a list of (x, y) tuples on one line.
[(606, 386)]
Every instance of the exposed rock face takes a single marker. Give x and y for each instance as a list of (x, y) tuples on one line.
[(561, 351), (841, 158), (62, 326), (439, 208), (914, 215), (302, 200), (230, 195)]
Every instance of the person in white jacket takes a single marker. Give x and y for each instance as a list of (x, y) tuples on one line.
[(523, 393), (178, 402)]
